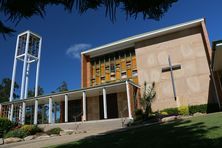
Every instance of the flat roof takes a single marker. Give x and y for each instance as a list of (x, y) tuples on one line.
[(130, 41), (106, 85)]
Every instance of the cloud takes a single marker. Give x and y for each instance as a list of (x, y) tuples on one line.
[(75, 50)]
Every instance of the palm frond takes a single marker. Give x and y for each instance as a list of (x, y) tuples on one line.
[(149, 94), (5, 30), (15, 10)]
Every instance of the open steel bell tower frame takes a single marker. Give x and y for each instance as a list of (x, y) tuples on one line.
[(28, 51)]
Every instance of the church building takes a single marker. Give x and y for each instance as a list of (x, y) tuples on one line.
[(178, 59)]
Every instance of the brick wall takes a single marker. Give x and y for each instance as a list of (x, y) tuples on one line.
[(187, 48), (93, 110)]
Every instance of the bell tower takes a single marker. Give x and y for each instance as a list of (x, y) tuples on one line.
[(28, 51)]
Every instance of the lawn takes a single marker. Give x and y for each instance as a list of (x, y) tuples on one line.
[(197, 132)]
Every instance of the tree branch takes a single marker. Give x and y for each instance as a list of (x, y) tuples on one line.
[(15, 10)]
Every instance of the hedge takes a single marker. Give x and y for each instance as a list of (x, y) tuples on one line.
[(54, 131), (212, 108), (198, 108), (20, 133), (203, 108), (183, 110), (6, 124), (31, 129), (170, 111)]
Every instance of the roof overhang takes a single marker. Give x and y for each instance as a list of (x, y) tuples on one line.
[(217, 55), (130, 42), (114, 87)]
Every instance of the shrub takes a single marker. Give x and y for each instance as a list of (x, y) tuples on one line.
[(183, 110), (203, 108), (213, 107), (6, 124), (31, 129), (138, 114), (148, 97), (170, 111), (17, 133), (198, 108), (164, 113), (54, 131)]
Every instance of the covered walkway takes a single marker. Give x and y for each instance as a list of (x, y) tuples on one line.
[(114, 100)]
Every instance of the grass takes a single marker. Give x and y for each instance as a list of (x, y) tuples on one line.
[(197, 132)]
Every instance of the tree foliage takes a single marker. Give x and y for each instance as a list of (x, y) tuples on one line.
[(149, 94), (15, 10), (5, 88), (63, 87), (31, 92)]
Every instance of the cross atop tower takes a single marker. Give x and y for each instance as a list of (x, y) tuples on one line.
[(28, 50)]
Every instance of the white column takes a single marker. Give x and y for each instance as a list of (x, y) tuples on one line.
[(104, 104), (84, 105), (50, 110), (36, 112), (27, 81), (11, 112), (23, 112), (128, 99), (66, 108), (24, 66), (14, 71), (20, 113), (37, 69), (55, 111)]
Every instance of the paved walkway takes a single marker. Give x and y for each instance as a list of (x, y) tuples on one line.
[(92, 127), (38, 143), (46, 142)]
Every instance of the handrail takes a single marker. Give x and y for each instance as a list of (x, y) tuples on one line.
[(75, 117)]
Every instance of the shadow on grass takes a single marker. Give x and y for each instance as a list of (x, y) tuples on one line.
[(179, 134)]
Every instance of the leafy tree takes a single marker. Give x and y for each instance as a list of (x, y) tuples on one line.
[(63, 87), (148, 96), (5, 88), (31, 92), (15, 10), (42, 117)]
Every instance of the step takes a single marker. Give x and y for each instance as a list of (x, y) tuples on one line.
[(90, 126)]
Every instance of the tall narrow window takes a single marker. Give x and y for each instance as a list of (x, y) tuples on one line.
[(112, 67)]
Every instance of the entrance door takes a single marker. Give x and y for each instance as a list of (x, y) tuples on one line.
[(74, 110), (112, 106), (101, 113)]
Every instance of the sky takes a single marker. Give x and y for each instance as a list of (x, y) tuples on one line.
[(65, 35)]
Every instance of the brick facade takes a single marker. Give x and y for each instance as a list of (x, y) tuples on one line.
[(187, 48)]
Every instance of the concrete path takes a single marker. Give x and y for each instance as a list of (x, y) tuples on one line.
[(92, 127), (38, 143), (58, 140)]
